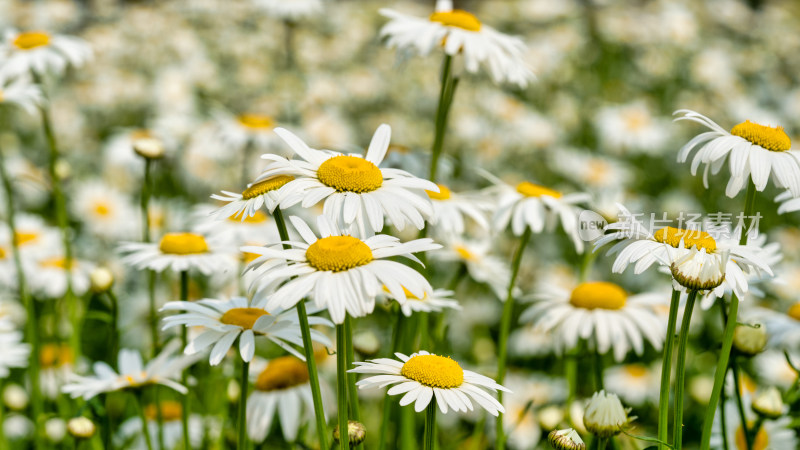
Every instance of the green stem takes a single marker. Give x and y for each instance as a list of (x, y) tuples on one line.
[(430, 425), (505, 329), (184, 376), (442, 111), (739, 405), (723, 425), (341, 380), (308, 349), (351, 377), (666, 369), (680, 369), (145, 429), (242, 419), (112, 298), (598, 370), (602, 443), (145, 199), (388, 404)]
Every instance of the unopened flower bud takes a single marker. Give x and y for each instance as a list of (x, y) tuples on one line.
[(604, 416), (102, 279), (550, 417), (356, 432), (698, 270), (567, 439), (750, 340), (81, 428), (769, 403), (63, 169), (148, 147), (55, 429), (15, 397)]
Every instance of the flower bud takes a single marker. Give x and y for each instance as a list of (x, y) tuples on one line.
[(356, 433), (750, 340), (147, 146), (604, 416), (15, 397), (567, 439), (550, 417), (698, 270), (769, 404), (101, 279), (55, 429), (81, 428)]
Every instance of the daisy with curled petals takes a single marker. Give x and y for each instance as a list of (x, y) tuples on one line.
[(756, 151), (41, 52), (450, 209), (245, 205), (179, 252), (459, 34), (601, 313), (223, 321), (340, 273), (439, 300), (20, 92), (424, 377), (356, 191)]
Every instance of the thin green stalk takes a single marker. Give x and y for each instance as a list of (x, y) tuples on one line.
[(505, 329), (32, 324), (446, 94), (723, 425), (355, 414), (388, 404), (288, 43), (748, 438), (241, 423), (112, 298), (430, 425), (145, 199), (184, 376), (341, 380), (602, 443), (145, 430), (598, 370), (3, 442), (666, 369), (680, 369), (151, 275), (308, 349)]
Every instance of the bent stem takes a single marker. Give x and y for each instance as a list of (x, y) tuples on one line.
[(308, 348), (430, 425), (666, 368), (680, 370), (341, 380), (241, 434), (505, 328)]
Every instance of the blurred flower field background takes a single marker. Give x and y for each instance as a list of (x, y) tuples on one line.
[(167, 263)]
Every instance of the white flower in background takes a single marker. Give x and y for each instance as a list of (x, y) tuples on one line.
[(531, 394), (245, 205), (450, 209), (437, 301), (20, 92), (789, 203), (130, 431), (36, 240), (57, 363), (756, 151), (604, 416), (783, 325), (461, 35), (246, 131), (179, 252), (41, 52), (291, 10), (105, 211), (631, 127), (481, 266), (15, 353), (773, 434), (48, 276), (636, 383), (233, 230)]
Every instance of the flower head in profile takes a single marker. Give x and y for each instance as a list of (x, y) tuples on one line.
[(424, 377), (179, 252), (247, 204), (567, 439), (451, 208), (437, 301), (41, 52), (604, 415)]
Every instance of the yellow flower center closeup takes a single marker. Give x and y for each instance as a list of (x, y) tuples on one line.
[(635, 370), (57, 263), (761, 441), (794, 311), (534, 190), (242, 317), (102, 209), (31, 39), (183, 244), (770, 138), (691, 238), (598, 294), (338, 253), (170, 411), (258, 217), (433, 371), (282, 373), (350, 174), (55, 355), (264, 186), (465, 254), (457, 18), (256, 121), (443, 194), (25, 237), (248, 257)]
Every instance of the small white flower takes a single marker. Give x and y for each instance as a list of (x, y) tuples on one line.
[(604, 416), (41, 52), (179, 252)]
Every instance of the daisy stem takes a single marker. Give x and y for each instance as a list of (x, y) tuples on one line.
[(680, 369), (505, 328), (241, 424), (598, 370), (602, 443), (666, 369), (308, 348), (184, 340), (442, 111), (341, 380), (112, 298), (145, 430), (151, 275), (737, 389), (351, 377), (430, 425), (145, 200), (32, 323)]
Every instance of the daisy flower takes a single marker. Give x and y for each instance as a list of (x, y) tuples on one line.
[(246, 133), (423, 377), (20, 92), (41, 52), (291, 11), (245, 205), (636, 383), (340, 273), (450, 209), (600, 312), (36, 240), (164, 369), (57, 363), (355, 190), (178, 252), (48, 276), (15, 353), (772, 433), (631, 127), (223, 321), (459, 34), (481, 265), (789, 203), (756, 151), (105, 211), (437, 301)]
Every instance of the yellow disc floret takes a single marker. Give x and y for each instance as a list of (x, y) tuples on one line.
[(258, 217), (170, 411), (25, 237), (534, 190), (457, 18), (598, 294), (256, 121), (691, 238), (794, 311), (243, 317), (282, 373), (434, 371), (338, 253), (31, 39), (770, 138), (264, 186), (761, 441), (183, 244), (443, 194), (350, 174)]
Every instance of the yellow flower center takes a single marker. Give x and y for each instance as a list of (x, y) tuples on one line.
[(350, 174), (102, 209), (170, 411), (282, 373), (635, 370), (3, 253), (408, 293), (534, 190), (433, 371), (338, 253), (57, 263), (770, 138), (794, 311), (25, 237), (691, 238), (256, 121), (248, 257), (183, 244), (258, 217), (761, 441), (31, 39), (598, 294), (443, 194), (457, 18), (243, 317), (55, 355), (465, 254), (264, 186)]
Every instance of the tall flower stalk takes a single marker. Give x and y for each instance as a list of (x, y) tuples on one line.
[(341, 380), (680, 370), (666, 369), (241, 420), (446, 94), (184, 286)]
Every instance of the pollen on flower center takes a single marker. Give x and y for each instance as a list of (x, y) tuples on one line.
[(256, 121), (770, 138), (691, 238), (350, 174), (31, 39), (433, 371), (264, 186), (183, 244), (282, 373), (794, 311), (534, 190), (443, 194), (338, 253), (243, 317), (457, 18), (170, 411), (598, 294), (258, 217)]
